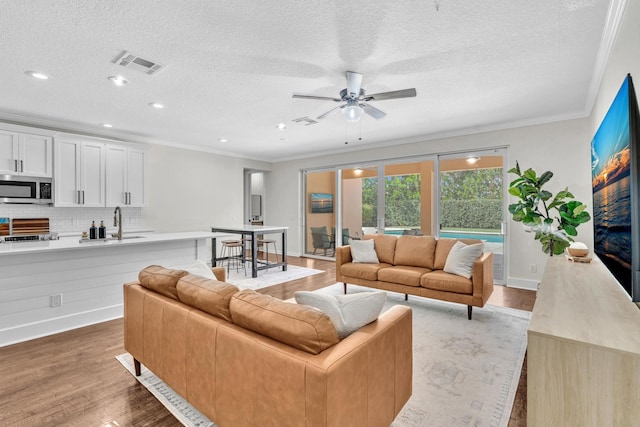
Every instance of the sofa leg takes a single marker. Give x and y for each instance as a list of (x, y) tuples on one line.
[(136, 365), (406, 297), (345, 287), (469, 308)]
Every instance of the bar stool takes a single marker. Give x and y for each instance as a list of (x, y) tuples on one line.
[(232, 251), (266, 243)]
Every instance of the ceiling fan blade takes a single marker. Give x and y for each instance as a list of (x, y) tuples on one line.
[(373, 111), (330, 112), (354, 83), (404, 93), (320, 98)]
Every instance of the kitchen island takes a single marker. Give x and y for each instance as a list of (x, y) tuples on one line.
[(52, 286)]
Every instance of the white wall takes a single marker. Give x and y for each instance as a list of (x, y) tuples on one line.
[(561, 147), (624, 59), (193, 190)]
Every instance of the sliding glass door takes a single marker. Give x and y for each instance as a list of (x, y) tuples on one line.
[(472, 202), (457, 196), (320, 213), (408, 198)]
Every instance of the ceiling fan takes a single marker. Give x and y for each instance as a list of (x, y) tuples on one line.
[(356, 101)]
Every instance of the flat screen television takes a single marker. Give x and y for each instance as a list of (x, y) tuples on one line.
[(614, 171), (321, 203)]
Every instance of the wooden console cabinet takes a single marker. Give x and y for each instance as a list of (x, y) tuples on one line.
[(583, 357)]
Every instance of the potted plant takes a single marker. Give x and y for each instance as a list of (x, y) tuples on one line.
[(535, 209)]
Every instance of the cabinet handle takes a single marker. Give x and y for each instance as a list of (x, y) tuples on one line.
[(83, 197), (15, 166), (78, 196), (129, 197), (21, 165)]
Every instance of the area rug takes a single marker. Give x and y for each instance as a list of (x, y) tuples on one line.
[(465, 372), (179, 408), (269, 277)]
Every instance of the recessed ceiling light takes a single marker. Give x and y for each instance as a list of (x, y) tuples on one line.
[(38, 75), (281, 126), (107, 125), (223, 140), (118, 80), (472, 159), (156, 105)]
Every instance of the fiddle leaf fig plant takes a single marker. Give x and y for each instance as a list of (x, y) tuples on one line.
[(535, 209)]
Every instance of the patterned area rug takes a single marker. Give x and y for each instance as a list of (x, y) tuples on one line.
[(269, 277), (180, 408), (465, 373)]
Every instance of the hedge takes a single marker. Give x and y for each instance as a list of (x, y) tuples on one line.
[(471, 213)]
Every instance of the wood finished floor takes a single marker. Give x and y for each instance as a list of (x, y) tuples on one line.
[(73, 378)]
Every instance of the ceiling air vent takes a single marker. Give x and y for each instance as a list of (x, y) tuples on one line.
[(134, 62), (306, 120)]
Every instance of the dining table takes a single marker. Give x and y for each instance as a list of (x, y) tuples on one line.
[(250, 235)]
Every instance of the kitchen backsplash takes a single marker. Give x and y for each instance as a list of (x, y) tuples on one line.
[(68, 220)]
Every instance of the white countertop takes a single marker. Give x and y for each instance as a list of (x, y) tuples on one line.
[(253, 228), (73, 243)]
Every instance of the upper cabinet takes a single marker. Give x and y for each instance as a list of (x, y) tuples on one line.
[(26, 154), (79, 173), (97, 173), (126, 168)]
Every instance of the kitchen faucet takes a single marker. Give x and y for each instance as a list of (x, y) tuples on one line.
[(117, 220)]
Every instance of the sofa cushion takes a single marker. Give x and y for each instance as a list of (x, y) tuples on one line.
[(161, 280), (385, 245), (347, 312), (362, 251), (362, 271), (402, 274), (299, 326), (441, 281), (443, 246), (208, 295), (418, 251), (461, 257)]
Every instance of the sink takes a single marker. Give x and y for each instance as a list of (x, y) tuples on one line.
[(114, 236)]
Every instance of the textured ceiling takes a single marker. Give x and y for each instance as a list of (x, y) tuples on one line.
[(231, 68)]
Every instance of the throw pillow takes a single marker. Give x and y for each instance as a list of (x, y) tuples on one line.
[(347, 312), (200, 268), (461, 257), (363, 251)]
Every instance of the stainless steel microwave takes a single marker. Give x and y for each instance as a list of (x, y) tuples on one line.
[(26, 190)]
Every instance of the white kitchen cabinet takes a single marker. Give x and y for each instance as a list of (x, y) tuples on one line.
[(79, 173), (126, 183), (26, 154)]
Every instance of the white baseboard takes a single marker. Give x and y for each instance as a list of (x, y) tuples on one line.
[(515, 282), (29, 331)]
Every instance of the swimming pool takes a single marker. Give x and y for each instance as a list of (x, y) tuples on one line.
[(489, 237)]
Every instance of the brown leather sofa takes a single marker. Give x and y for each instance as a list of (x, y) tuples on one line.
[(192, 333), (413, 265)]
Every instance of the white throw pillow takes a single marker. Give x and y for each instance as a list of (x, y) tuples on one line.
[(460, 259), (347, 312), (363, 251), (200, 268)]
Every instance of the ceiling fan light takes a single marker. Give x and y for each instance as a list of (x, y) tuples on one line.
[(352, 113)]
